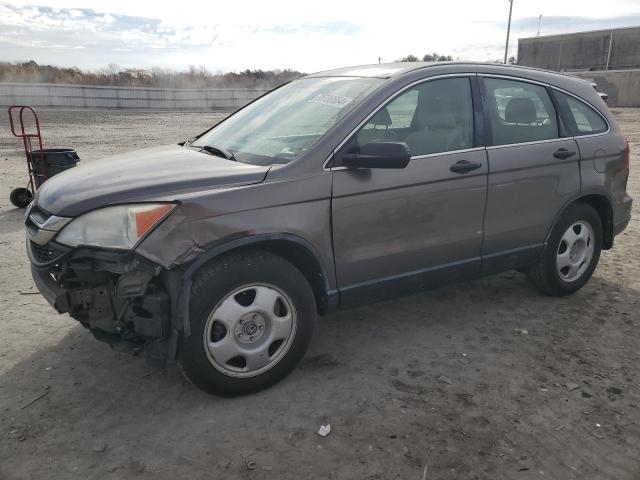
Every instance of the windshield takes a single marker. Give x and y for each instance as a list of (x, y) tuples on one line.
[(283, 124)]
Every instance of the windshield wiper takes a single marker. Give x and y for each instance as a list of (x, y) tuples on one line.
[(217, 151), (186, 143)]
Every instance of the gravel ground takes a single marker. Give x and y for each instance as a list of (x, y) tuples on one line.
[(488, 380)]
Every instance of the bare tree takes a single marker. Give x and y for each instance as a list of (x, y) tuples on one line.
[(408, 58), (113, 74)]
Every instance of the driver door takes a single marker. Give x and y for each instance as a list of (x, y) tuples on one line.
[(396, 231)]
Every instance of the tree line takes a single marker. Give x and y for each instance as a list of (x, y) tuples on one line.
[(429, 57), (194, 77), (436, 57)]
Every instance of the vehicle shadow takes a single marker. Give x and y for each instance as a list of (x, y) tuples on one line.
[(12, 220), (464, 358)]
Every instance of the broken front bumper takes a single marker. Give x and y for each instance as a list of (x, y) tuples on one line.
[(115, 294)]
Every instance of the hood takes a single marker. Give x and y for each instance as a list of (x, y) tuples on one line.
[(141, 175)]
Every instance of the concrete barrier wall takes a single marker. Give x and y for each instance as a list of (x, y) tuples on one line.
[(613, 49), (90, 96), (622, 86)]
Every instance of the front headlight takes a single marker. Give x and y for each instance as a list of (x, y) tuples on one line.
[(120, 226)]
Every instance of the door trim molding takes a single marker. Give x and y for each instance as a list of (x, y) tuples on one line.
[(409, 282), (505, 260), (429, 278)]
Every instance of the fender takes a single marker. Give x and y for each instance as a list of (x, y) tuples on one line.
[(583, 193), (181, 320)]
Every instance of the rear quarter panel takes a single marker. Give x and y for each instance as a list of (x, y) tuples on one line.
[(603, 170)]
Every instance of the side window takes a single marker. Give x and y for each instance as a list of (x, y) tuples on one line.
[(520, 112), (434, 117), (582, 119), (403, 108), (386, 122)]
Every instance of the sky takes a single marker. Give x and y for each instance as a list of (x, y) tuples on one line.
[(279, 34)]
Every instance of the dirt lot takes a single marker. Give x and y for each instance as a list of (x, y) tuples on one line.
[(439, 385)]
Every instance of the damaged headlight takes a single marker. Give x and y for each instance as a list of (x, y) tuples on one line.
[(121, 226)]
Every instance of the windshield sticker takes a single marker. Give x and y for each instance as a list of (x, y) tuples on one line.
[(331, 100)]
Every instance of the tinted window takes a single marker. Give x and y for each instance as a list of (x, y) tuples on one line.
[(402, 109), (385, 124), (582, 119), (434, 117), (520, 112)]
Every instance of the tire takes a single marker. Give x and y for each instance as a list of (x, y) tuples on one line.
[(570, 257), (230, 313), (21, 197)]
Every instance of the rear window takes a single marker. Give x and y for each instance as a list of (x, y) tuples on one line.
[(520, 112), (581, 118)]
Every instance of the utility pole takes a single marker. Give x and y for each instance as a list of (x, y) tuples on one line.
[(539, 25), (506, 48), (609, 51)]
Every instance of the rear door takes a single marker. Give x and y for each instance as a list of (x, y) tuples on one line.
[(402, 230), (534, 170)]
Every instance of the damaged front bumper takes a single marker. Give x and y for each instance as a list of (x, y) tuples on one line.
[(122, 298)]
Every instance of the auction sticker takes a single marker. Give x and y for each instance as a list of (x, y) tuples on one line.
[(331, 100)]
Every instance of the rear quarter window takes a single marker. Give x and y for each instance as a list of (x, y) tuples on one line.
[(581, 118)]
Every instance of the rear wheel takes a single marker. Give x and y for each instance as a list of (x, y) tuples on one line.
[(252, 317), (572, 252), (21, 197)]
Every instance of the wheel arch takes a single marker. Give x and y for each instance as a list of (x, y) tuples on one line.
[(601, 203), (302, 256), (291, 247)]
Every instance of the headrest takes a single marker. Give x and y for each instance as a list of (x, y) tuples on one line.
[(382, 117), (520, 110), (435, 114)]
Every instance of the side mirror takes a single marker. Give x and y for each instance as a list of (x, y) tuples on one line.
[(379, 155)]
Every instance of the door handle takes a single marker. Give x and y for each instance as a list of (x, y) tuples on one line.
[(563, 153), (464, 166)]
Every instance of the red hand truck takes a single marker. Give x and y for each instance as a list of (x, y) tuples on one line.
[(22, 196)]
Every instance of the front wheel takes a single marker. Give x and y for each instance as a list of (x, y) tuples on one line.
[(252, 317), (572, 252)]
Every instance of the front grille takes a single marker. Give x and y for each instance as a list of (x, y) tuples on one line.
[(42, 226), (46, 254), (39, 215), (35, 219)]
